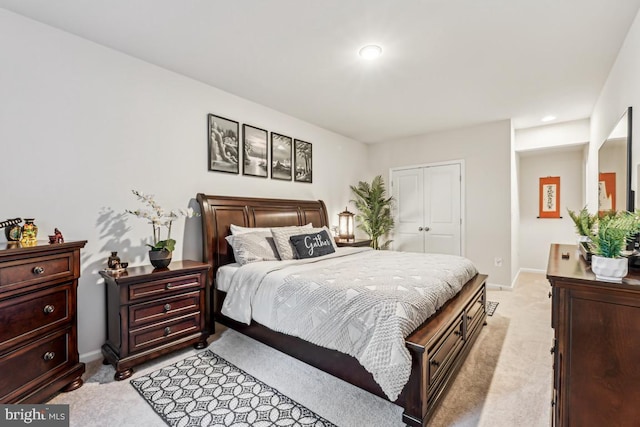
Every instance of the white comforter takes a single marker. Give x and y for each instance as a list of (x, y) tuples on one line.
[(357, 301)]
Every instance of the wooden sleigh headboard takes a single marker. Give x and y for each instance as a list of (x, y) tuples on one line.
[(219, 212)]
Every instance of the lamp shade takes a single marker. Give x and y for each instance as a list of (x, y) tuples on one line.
[(345, 225)]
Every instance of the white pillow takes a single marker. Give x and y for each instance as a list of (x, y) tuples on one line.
[(282, 236), (238, 229), (253, 247)]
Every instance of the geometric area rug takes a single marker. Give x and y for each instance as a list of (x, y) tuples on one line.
[(491, 307), (206, 390)]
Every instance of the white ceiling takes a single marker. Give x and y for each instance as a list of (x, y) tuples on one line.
[(446, 63)]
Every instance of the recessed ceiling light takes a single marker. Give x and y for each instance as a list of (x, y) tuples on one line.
[(548, 118), (371, 51)]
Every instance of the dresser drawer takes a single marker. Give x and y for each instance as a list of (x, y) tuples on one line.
[(159, 288), (29, 271), (164, 308), (34, 363), (27, 316), (444, 351), (157, 334)]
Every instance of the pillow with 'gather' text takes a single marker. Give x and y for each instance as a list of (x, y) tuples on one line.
[(312, 245), (282, 235)]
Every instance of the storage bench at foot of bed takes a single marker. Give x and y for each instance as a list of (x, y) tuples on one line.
[(439, 348)]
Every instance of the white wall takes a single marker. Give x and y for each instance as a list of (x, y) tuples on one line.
[(537, 150), (554, 135), (81, 125), (486, 151), (621, 90), (536, 234)]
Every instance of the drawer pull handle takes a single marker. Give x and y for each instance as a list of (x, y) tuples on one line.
[(167, 331), (435, 363), (38, 270), (49, 355), (48, 309), (458, 333), (167, 307), (168, 286), (469, 318)]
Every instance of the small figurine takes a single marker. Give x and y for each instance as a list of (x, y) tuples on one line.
[(59, 237)]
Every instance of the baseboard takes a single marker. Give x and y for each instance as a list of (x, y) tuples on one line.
[(497, 287), (91, 356)]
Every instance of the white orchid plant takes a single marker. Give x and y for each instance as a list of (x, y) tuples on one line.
[(159, 218)]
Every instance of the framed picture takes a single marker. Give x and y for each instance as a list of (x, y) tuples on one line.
[(550, 197), (606, 191), (224, 151), (303, 161), (281, 149), (254, 151)]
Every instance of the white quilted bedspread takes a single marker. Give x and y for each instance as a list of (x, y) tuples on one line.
[(364, 304)]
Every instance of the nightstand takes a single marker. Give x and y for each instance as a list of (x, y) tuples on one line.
[(151, 312), (353, 242)]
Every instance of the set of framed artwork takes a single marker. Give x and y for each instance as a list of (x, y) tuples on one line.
[(281, 156)]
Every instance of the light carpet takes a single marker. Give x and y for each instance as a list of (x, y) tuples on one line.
[(505, 381)]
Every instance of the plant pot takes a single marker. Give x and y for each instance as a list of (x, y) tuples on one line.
[(160, 259), (609, 269)]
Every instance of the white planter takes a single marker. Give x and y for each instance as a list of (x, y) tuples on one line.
[(609, 269), (585, 239)]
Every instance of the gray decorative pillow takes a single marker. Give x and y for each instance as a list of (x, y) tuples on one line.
[(312, 245), (282, 236), (253, 247)]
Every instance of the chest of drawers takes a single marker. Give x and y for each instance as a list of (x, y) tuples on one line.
[(38, 339), (151, 312), (596, 349)]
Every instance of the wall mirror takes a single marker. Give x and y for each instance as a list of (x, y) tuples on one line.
[(614, 168)]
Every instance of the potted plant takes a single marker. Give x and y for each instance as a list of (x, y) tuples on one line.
[(583, 222), (374, 207), (161, 251), (611, 235)]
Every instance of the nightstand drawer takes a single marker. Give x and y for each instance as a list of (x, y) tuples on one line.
[(33, 314), (162, 309), (159, 288), (20, 273), (157, 334), (33, 363)]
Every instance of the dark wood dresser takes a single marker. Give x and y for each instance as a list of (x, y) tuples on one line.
[(151, 312), (597, 344), (353, 242), (38, 333)]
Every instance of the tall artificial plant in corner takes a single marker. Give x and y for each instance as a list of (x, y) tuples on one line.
[(374, 210)]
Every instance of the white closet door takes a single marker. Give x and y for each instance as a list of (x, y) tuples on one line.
[(427, 209), (408, 194), (442, 208)]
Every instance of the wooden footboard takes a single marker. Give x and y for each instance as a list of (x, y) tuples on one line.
[(438, 347)]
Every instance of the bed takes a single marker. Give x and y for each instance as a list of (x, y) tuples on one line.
[(437, 347)]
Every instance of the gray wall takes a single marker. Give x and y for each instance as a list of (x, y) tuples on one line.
[(81, 125), (486, 151)]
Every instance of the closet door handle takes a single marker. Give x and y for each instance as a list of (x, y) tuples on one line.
[(427, 229), (420, 228)]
